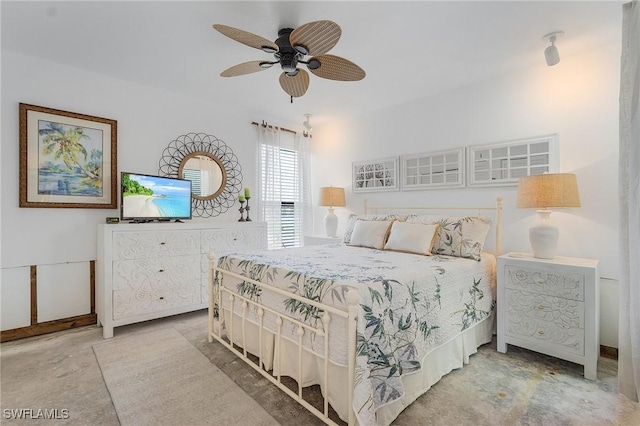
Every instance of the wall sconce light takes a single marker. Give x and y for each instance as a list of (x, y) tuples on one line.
[(543, 192), (306, 123), (551, 53)]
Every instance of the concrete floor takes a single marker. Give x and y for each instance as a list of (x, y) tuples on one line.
[(60, 371)]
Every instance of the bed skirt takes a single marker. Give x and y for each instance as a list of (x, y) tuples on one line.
[(440, 361)]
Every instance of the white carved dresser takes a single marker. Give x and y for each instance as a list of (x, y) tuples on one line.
[(550, 306), (152, 270)]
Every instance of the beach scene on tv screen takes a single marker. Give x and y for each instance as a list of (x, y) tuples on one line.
[(155, 197)]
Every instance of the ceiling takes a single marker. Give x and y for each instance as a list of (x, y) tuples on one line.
[(408, 49)]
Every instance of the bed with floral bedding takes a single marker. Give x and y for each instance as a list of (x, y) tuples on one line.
[(409, 317)]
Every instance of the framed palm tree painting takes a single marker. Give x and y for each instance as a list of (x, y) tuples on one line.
[(67, 159)]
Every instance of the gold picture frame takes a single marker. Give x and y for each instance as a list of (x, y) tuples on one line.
[(67, 160)]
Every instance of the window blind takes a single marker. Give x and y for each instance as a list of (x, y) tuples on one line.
[(284, 201)]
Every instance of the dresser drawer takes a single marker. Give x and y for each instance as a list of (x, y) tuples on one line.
[(225, 241), (144, 245), (171, 270), (151, 299), (563, 284), (148, 285)]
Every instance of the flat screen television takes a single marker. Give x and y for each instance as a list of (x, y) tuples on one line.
[(146, 198)]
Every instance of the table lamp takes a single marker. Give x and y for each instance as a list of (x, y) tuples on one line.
[(331, 197), (542, 192)]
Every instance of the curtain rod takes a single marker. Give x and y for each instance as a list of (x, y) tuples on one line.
[(264, 124)]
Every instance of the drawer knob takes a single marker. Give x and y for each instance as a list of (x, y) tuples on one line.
[(161, 297), (161, 270), (541, 307), (162, 243), (541, 332), (540, 281)]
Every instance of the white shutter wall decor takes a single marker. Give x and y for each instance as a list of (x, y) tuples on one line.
[(504, 163)]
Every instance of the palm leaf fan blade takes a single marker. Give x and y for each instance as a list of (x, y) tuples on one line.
[(336, 68), (245, 37), (295, 86), (317, 37), (242, 69)]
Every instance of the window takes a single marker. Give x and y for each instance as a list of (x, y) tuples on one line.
[(290, 189), (433, 169), (283, 195), (505, 163), (197, 178)]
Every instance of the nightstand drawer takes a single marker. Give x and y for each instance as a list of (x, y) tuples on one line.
[(564, 313), (563, 284), (549, 334)]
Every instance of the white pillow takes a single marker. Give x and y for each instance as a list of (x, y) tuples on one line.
[(353, 218), (370, 233), (412, 237)]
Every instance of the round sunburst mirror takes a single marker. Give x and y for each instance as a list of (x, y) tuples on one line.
[(212, 167)]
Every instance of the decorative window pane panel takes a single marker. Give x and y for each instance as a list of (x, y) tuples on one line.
[(539, 160), (504, 163), (435, 169), (538, 148), (376, 175)]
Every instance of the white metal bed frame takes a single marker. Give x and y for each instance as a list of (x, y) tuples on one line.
[(215, 327)]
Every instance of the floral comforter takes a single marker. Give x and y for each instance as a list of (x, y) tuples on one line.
[(409, 304)]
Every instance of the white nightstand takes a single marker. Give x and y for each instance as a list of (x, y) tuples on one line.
[(316, 240), (550, 306)]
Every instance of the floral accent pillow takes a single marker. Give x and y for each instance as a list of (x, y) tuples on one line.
[(460, 236), (353, 218)]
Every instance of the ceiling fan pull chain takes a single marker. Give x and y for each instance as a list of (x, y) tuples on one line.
[(292, 99)]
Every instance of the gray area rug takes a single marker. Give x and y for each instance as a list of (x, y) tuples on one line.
[(159, 378)]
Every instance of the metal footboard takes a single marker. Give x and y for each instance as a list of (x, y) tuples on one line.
[(215, 332)]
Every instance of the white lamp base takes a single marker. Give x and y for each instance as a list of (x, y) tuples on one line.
[(331, 223), (544, 236)]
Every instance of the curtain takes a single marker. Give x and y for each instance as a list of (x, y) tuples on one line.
[(269, 205), (304, 211), (284, 201), (629, 180)]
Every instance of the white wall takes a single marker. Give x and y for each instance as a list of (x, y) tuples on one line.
[(578, 99), (148, 119)]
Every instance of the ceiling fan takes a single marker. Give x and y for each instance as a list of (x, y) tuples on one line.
[(290, 49)]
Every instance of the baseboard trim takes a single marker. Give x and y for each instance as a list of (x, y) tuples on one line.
[(609, 352), (48, 327)]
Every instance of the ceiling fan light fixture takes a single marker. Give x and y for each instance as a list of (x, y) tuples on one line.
[(551, 54), (268, 49), (313, 64), (301, 49), (266, 64)]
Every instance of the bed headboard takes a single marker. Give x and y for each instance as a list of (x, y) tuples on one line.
[(479, 211)]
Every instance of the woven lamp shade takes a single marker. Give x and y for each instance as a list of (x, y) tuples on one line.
[(332, 197), (548, 191)]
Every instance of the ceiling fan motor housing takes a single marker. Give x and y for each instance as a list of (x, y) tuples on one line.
[(287, 55)]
